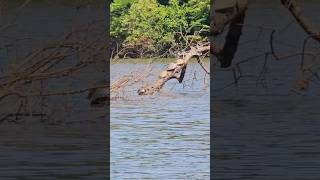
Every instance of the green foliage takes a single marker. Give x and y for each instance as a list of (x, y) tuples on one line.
[(154, 26), (118, 8)]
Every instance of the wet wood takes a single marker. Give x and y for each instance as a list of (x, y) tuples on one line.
[(223, 17), (232, 40), (175, 70), (224, 5), (233, 13)]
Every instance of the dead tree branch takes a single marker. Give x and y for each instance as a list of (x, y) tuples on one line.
[(295, 10), (234, 15), (174, 71)]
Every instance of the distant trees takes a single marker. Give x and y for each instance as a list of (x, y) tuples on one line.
[(152, 28)]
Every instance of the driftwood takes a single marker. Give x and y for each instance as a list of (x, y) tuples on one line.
[(232, 40), (225, 14), (232, 13), (174, 71)]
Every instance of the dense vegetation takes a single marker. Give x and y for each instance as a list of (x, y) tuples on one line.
[(141, 28)]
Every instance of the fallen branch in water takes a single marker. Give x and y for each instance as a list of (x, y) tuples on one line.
[(56, 68), (295, 10), (174, 70), (202, 66), (232, 13), (224, 16)]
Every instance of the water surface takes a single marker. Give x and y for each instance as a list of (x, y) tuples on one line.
[(165, 136), (263, 129), (70, 142)]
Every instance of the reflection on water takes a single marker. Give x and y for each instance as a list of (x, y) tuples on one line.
[(164, 136)]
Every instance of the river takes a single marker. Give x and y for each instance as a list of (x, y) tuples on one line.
[(262, 129), (70, 141), (165, 136)]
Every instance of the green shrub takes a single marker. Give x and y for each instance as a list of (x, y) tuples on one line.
[(148, 26)]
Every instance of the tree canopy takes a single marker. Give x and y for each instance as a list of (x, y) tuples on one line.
[(158, 27)]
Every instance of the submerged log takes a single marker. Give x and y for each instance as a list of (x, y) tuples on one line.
[(174, 70)]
